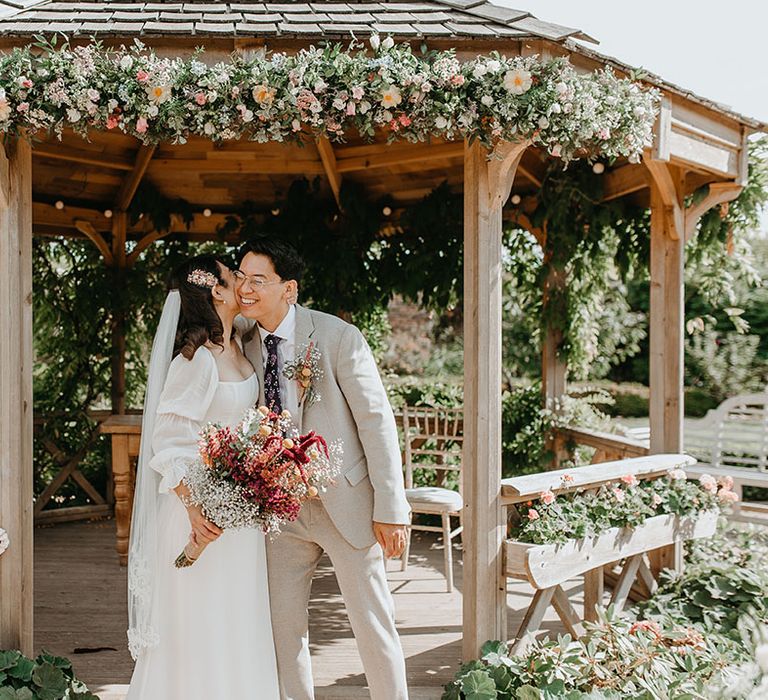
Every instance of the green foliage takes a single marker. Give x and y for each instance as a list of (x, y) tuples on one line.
[(725, 364), (617, 658), (724, 580), (47, 677)]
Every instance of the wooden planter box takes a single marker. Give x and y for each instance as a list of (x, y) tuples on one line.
[(547, 565)]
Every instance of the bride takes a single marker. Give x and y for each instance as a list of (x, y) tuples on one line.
[(202, 631)]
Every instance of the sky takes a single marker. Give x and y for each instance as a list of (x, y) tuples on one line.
[(718, 50)]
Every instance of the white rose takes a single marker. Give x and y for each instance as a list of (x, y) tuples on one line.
[(247, 116), (319, 85), (479, 71), (112, 105), (555, 108), (296, 125), (562, 90), (487, 100), (93, 95), (388, 43), (493, 66), (73, 115), (364, 107), (209, 128), (153, 110), (543, 122), (315, 107), (441, 122), (126, 62), (338, 103), (387, 115), (375, 42)]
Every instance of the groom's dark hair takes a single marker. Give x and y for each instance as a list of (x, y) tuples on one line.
[(288, 264)]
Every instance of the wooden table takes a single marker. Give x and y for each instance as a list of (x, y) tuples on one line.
[(125, 432)]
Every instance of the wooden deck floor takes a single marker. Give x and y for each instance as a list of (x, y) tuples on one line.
[(80, 612)]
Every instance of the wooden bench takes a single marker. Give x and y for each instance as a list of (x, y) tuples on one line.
[(653, 545), (732, 440)]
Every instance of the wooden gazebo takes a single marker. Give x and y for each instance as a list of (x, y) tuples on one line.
[(83, 188)]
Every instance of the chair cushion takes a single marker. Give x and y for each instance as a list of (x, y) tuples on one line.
[(433, 499)]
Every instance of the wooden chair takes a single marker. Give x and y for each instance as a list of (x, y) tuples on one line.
[(433, 442)]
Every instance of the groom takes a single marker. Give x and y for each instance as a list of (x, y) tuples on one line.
[(362, 518)]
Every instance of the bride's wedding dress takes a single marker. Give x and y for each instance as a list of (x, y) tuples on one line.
[(214, 632)]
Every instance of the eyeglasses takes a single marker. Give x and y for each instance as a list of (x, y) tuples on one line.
[(253, 280)]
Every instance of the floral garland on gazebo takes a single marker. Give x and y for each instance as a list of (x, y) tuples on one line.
[(328, 91)]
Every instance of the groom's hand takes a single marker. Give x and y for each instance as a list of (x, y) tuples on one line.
[(391, 537)]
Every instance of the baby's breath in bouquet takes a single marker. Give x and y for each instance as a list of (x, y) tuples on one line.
[(257, 474)]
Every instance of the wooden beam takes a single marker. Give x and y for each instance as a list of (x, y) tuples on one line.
[(348, 160), (227, 166), (87, 229), (328, 159), (487, 184), (74, 155), (133, 179), (624, 180), (143, 244), (119, 225), (16, 424), (669, 191), (719, 193)]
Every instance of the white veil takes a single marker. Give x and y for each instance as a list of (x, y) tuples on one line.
[(142, 552)]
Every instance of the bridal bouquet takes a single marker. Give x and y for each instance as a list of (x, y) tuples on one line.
[(257, 474)]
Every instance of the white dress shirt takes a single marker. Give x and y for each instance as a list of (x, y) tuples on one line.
[(286, 352)]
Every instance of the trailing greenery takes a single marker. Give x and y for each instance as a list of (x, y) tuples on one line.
[(46, 677)]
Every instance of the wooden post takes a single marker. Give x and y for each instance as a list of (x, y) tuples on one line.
[(553, 369), (16, 476), (666, 326), (119, 226), (487, 184)]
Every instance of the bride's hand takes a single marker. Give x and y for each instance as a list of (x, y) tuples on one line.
[(203, 530)]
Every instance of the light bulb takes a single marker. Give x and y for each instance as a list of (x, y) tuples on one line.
[(386, 211), (275, 212), (108, 213), (59, 205), (207, 212), (516, 199), (598, 168)]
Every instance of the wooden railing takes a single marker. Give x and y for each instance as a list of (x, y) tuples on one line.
[(608, 446)]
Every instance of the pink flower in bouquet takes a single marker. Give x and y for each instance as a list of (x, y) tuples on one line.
[(200, 98), (677, 474), (112, 122), (566, 479), (142, 76), (618, 494), (650, 626), (141, 125), (629, 479), (547, 497), (533, 514), (656, 499)]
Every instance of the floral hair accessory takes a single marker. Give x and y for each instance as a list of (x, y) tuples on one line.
[(201, 278)]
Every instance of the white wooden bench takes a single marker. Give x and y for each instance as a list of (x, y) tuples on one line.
[(732, 440)]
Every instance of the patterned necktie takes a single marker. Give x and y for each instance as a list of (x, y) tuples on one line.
[(271, 376)]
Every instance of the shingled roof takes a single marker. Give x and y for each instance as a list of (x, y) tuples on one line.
[(406, 18)]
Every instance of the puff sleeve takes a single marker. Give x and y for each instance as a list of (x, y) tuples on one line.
[(186, 398)]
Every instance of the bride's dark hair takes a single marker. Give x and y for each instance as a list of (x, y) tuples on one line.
[(198, 320)]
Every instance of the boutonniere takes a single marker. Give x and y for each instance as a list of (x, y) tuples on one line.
[(306, 370)]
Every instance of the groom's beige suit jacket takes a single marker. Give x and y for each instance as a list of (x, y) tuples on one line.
[(353, 408)]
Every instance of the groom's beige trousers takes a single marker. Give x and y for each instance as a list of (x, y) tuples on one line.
[(292, 558)]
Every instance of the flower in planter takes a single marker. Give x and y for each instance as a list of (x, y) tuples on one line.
[(708, 483), (650, 626), (677, 474), (547, 497), (618, 494), (727, 496), (567, 479), (533, 514), (629, 479)]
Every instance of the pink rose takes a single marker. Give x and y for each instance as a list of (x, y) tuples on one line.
[(405, 121), (358, 92), (547, 497), (556, 150), (533, 514), (629, 479), (566, 479), (726, 482), (727, 496), (351, 109), (112, 122), (618, 494), (142, 76), (458, 79), (604, 133), (200, 98), (708, 483), (141, 125), (23, 107), (677, 474)]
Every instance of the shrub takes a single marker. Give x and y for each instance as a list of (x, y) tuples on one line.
[(47, 677)]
